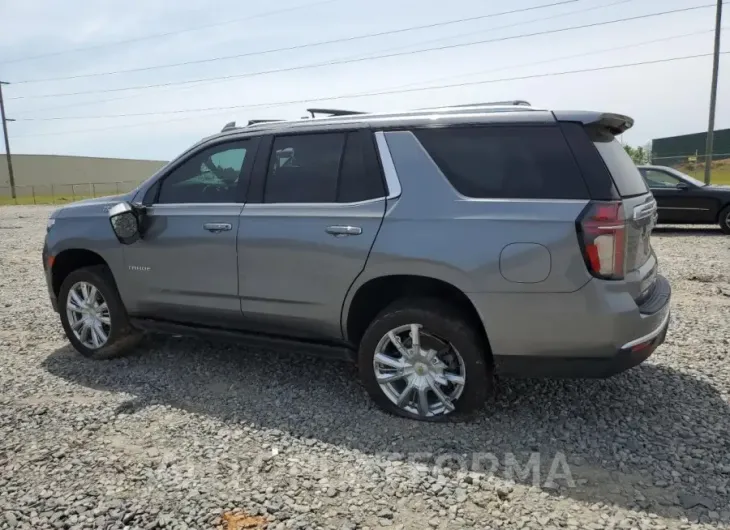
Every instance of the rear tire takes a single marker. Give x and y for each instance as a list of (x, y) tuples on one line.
[(725, 220), (93, 315), (451, 367)]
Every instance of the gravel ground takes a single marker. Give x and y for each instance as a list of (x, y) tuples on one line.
[(189, 433)]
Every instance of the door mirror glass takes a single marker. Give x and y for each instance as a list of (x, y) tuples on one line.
[(125, 220)]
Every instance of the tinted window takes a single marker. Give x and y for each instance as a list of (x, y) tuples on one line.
[(623, 170), (359, 181), (592, 168), (506, 162), (211, 175), (659, 179), (304, 168)]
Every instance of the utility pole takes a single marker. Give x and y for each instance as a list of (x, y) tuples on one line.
[(7, 141), (713, 94)]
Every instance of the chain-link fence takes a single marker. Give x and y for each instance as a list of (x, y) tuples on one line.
[(62, 193), (693, 164)]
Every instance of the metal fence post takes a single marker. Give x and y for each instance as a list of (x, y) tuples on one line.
[(116, 185), (32, 190), (73, 192), (53, 195), (93, 189)]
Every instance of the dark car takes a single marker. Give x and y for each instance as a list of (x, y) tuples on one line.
[(682, 199)]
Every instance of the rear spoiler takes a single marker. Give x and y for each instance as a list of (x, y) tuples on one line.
[(615, 123)]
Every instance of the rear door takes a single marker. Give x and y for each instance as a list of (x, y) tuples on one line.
[(679, 201), (306, 237), (640, 210)]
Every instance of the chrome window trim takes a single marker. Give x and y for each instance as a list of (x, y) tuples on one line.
[(260, 205), (168, 205), (391, 175)]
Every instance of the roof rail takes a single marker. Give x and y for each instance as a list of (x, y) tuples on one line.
[(229, 126), (512, 102), (334, 112)]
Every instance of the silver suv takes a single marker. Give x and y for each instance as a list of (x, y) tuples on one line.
[(435, 247)]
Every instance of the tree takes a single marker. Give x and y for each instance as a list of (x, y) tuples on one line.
[(638, 154)]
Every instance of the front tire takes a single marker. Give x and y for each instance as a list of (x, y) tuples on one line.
[(93, 315), (725, 220), (423, 359)]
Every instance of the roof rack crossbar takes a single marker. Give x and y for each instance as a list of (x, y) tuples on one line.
[(256, 122), (334, 112)]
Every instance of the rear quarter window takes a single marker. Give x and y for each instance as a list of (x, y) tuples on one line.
[(625, 174), (525, 162)]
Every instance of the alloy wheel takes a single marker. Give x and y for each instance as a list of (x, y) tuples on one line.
[(88, 315), (419, 372)]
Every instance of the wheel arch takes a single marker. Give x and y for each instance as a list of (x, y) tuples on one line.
[(375, 294), (70, 260), (724, 205)]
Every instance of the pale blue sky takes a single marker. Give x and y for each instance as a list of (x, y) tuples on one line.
[(664, 99)]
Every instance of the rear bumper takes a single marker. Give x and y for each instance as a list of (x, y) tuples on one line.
[(632, 354), (597, 331)]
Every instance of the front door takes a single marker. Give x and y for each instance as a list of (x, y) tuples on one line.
[(308, 238), (185, 267), (678, 201)]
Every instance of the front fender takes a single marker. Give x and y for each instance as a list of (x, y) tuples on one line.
[(89, 233)]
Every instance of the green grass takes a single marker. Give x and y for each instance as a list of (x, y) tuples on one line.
[(41, 199), (720, 175)]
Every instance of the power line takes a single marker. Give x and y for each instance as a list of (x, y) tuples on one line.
[(429, 41), (505, 26), (398, 91), (572, 56), (299, 46), (383, 56), (482, 72), (169, 33)]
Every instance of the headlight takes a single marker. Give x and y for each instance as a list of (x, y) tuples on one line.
[(50, 223)]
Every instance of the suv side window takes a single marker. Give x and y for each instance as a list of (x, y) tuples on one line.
[(209, 176), (503, 162), (322, 168), (304, 168), (359, 180), (660, 179)]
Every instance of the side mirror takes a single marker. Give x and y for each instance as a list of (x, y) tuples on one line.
[(682, 186), (126, 221)]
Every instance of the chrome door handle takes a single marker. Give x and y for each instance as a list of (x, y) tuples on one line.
[(340, 231), (217, 227)]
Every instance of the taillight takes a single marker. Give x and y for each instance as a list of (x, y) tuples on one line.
[(602, 233)]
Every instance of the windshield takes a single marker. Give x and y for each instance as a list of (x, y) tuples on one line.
[(688, 178)]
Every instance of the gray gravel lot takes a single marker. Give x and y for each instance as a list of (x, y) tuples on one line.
[(186, 430)]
